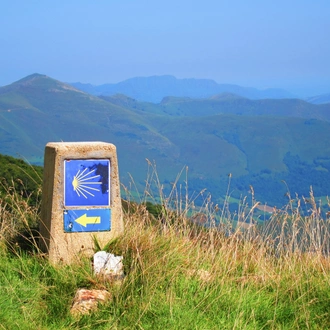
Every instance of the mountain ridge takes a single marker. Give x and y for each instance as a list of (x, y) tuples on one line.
[(262, 143), (131, 88), (226, 103), (155, 88), (319, 99)]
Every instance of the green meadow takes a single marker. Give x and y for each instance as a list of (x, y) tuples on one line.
[(181, 272)]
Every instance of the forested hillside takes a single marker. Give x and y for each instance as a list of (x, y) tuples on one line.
[(20, 176)]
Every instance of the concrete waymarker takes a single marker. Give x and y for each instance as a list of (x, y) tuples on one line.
[(81, 199)]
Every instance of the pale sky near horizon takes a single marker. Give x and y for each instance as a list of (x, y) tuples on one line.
[(255, 43)]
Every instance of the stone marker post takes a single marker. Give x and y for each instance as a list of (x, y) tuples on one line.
[(80, 200)]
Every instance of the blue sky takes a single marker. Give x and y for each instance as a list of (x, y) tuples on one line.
[(257, 43)]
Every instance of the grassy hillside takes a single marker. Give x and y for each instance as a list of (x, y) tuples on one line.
[(64, 114), (227, 104), (23, 178), (261, 142), (178, 275)]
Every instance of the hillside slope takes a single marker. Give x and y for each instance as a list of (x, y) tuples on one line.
[(226, 103), (38, 109), (261, 142)]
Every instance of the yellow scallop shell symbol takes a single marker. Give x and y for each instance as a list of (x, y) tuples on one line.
[(82, 185)]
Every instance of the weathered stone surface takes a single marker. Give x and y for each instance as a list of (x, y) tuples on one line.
[(108, 265), (62, 246), (86, 301)]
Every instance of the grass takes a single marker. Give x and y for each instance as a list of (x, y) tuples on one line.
[(179, 275)]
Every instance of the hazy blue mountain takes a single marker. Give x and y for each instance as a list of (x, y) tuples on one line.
[(260, 142), (155, 88), (319, 99)]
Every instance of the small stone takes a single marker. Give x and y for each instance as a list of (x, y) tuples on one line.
[(108, 264), (86, 300)]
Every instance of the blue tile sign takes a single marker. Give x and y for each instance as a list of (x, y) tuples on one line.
[(87, 182), (87, 220)]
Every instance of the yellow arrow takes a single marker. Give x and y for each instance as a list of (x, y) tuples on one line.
[(84, 220)]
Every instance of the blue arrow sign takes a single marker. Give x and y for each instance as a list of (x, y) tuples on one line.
[(87, 182), (87, 220)]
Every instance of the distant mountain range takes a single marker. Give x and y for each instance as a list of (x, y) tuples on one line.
[(261, 142), (154, 89)]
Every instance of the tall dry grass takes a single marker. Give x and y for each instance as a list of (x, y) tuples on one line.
[(283, 261), (18, 216), (203, 266)]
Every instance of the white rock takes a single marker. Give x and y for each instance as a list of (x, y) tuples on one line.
[(108, 264)]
